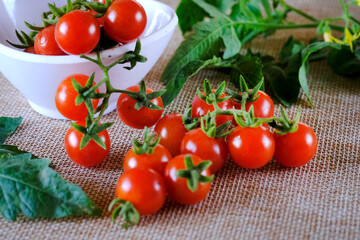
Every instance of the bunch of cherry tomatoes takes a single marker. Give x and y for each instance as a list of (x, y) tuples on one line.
[(77, 28), (186, 150)]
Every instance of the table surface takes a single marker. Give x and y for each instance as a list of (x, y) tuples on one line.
[(317, 201)]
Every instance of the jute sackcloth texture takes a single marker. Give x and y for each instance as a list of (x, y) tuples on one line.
[(318, 201)]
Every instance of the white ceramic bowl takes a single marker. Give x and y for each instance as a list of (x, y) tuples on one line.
[(38, 76)]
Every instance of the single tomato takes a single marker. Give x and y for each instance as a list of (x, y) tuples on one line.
[(156, 160), (263, 106), (144, 188), (92, 154), (177, 187), (251, 147), (214, 149), (200, 108), (144, 117), (77, 32), (171, 130), (295, 149), (65, 98), (45, 43), (125, 21)]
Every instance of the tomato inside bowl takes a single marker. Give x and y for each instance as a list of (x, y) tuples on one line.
[(37, 76)]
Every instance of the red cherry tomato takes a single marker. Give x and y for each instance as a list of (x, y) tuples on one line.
[(145, 117), (263, 106), (200, 108), (295, 149), (144, 188), (172, 130), (92, 154), (77, 32), (177, 187), (65, 98), (251, 147), (30, 50), (125, 21), (45, 43), (156, 161), (207, 148)]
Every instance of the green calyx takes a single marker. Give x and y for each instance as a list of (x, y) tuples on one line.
[(150, 142), (26, 40), (144, 99), (285, 124), (210, 96), (246, 96), (189, 122), (127, 210), (193, 173), (91, 131), (208, 126)]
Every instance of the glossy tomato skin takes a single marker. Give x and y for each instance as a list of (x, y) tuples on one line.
[(200, 108), (45, 43), (77, 32), (214, 149), (144, 188), (125, 21), (156, 161), (177, 187), (263, 106), (90, 155), (145, 117), (295, 149), (171, 130), (65, 98), (251, 147)]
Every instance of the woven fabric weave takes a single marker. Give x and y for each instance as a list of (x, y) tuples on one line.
[(318, 201)]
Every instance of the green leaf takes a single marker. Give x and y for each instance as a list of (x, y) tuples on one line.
[(313, 47), (285, 86), (349, 65), (8, 125), (10, 150), (173, 87), (203, 44), (31, 187)]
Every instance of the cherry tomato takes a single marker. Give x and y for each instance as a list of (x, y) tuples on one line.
[(30, 50), (172, 130), (207, 148), (251, 147), (145, 117), (295, 149), (144, 188), (65, 98), (92, 154), (200, 108), (125, 21), (177, 187), (156, 161), (77, 32), (263, 106), (45, 43)]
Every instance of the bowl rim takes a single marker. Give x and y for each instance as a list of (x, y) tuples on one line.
[(116, 51)]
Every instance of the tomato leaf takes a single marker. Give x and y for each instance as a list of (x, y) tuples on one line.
[(173, 87), (31, 187), (8, 126), (10, 150), (313, 47), (350, 62)]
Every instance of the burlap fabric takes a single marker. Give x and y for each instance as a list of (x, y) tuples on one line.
[(318, 201)]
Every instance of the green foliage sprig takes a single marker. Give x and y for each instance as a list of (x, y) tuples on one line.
[(215, 32)]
